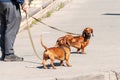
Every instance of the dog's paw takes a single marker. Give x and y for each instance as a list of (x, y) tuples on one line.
[(54, 68), (84, 53), (69, 65), (45, 67)]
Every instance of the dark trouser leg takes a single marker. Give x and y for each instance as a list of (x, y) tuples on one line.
[(2, 28), (12, 27), (10, 22)]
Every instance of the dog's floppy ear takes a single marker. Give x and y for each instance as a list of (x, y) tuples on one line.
[(92, 32), (83, 33)]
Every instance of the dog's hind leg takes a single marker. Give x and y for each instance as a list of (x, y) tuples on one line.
[(43, 62), (52, 64), (67, 62)]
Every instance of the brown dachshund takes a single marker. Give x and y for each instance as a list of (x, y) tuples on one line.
[(79, 42), (60, 52)]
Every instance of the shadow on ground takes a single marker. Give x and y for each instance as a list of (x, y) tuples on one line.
[(49, 66), (77, 53), (112, 14)]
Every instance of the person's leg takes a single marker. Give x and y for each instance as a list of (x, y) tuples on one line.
[(13, 22), (13, 19), (2, 29)]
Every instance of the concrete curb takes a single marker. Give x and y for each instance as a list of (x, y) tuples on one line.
[(109, 75), (40, 13)]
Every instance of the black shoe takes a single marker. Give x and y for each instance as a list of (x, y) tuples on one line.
[(1, 59), (12, 57)]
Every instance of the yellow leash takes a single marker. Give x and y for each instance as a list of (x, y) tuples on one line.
[(55, 28), (31, 40)]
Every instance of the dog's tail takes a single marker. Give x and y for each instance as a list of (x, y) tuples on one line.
[(42, 43)]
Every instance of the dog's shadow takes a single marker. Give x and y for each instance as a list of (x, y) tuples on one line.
[(49, 66), (41, 66)]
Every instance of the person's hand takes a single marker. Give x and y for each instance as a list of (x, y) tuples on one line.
[(25, 8)]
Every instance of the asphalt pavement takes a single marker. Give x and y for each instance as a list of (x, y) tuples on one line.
[(102, 58)]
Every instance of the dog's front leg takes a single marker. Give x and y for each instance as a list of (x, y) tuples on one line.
[(61, 63), (83, 50), (78, 50)]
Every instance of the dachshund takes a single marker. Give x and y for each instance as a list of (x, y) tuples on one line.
[(58, 52), (79, 42)]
